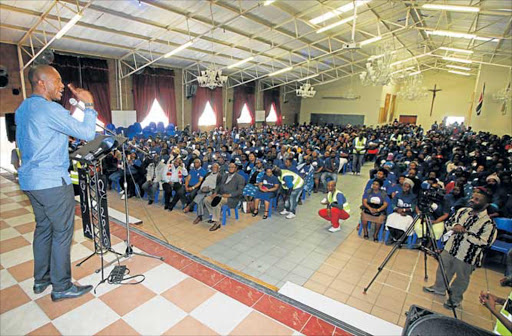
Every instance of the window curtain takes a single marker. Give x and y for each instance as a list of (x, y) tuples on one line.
[(269, 97), (202, 96), (243, 94), (154, 84), (90, 74)]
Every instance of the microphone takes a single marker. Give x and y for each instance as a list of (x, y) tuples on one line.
[(75, 103)]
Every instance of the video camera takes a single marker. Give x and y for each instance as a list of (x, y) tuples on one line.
[(429, 196)]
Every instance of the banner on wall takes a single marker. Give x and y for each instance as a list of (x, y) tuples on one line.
[(480, 102)]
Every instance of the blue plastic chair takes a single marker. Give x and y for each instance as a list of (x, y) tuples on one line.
[(160, 128), (504, 224), (226, 211)]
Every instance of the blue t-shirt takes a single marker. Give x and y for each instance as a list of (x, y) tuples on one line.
[(269, 181), (195, 175)]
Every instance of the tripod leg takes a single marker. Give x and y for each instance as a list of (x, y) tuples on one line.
[(433, 242), (89, 257), (390, 254)]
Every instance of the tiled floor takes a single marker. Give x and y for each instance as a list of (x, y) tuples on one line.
[(275, 250), (178, 297)]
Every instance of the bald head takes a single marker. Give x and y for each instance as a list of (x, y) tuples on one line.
[(46, 81), (331, 185)]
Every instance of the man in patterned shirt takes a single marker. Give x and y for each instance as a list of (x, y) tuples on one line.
[(472, 232)]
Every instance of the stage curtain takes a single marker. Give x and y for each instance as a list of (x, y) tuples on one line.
[(153, 84), (217, 104), (251, 102), (95, 80), (198, 103), (277, 103), (243, 94), (69, 70), (267, 102)]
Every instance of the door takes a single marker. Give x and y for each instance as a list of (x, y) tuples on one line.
[(408, 119)]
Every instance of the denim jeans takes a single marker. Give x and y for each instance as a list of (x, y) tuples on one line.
[(291, 203)]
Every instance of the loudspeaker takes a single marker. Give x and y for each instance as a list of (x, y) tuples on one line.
[(191, 90), (4, 77), (424, 322), (10, 127)]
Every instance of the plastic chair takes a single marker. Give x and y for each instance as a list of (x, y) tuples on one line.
[(504, 224), (226, 211), (381, 230)]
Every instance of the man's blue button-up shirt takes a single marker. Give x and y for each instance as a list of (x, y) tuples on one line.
[(42, 130)]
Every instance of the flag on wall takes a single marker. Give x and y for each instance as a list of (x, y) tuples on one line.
[(480, 102)]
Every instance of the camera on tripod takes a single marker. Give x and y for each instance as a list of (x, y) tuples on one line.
[(427, 197)]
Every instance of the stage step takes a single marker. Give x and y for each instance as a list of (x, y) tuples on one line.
[(340, 311)]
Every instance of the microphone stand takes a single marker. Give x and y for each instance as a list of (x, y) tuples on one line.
[(129, 247)]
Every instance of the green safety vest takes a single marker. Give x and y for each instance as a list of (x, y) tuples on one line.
[(298, 182), (74, 173), (360, 145), (500, 329), (332, 197)]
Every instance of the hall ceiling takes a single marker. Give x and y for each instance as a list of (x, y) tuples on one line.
[(277, 35)]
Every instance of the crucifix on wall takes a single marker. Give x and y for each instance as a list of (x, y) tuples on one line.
[(434, 91)]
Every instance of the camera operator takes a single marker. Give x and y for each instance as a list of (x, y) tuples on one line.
[(472, 231)]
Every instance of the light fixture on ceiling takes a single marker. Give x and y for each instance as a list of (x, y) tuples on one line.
[(458, 67), (460, 60), (460, 35), (280, 71), (268, 2), (336, 24), (240, 62), (465, 51), (452, 8), (308, 77), (412, 88), (211, 78), (378, 71), (340, 10), (68, 25), (401, 70), (459, 73), (409, 59), (371, 40), (415, 73), (177, 50), (306, 91)]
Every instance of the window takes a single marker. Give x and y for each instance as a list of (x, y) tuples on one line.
[(78, 114), (208, 118), (245, 117), (272, 116), (6, 148), (452, 120), (156, 114)]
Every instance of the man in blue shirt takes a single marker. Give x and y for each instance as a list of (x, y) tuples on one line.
[(42, 131), (193, 182)]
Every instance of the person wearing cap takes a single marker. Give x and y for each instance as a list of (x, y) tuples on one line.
[(336, 207), (404, 207), (153, 173), (471, 231), (193, 182)]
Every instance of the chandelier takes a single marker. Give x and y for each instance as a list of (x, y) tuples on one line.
[(211, 78), (412, 89), (306, 91), (503, 96), (378, 68)]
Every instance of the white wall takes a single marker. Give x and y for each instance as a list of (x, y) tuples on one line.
[(453, 100), (368, 105), (492, 118)]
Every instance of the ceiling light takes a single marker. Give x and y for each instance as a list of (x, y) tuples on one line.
[(280, 71), (452, 8), (340, 10), (457, 50), (308, 77), (454, 59), (458, 67), (335, 24), (409, 68), (68, 26), (415, 73), (459, 73), (177, 50), (460, 35), (306, 91), (268, 2), (240, 62), (409, 59), (373, 39)]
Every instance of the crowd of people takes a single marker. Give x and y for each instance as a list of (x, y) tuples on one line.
[(289, 160)]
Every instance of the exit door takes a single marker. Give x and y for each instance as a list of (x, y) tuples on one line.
[(408, 119)]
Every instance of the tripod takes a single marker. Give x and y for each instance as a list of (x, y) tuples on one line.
[(129, 247), (429, 235)]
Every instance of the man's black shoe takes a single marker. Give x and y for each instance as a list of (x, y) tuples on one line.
[(41, 287), (166, 207), (215, 226), (73, 292), (150, 202)]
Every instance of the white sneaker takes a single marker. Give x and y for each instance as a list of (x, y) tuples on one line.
[(290, 215), (123, 196), (324, 201), (333, 229), (121, 192), (284, 212)]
